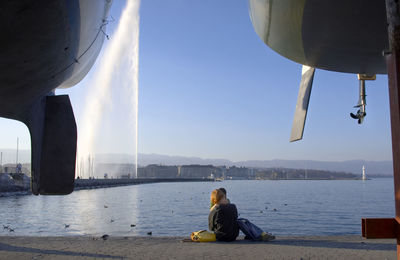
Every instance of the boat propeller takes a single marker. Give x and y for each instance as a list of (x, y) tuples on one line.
[(362, 98)]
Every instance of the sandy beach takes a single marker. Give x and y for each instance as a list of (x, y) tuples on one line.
[(302, 247)]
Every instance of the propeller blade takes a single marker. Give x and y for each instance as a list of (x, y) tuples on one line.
[(353, 116), (303, 99)]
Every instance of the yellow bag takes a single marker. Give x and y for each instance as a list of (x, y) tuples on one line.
[(203, 236)]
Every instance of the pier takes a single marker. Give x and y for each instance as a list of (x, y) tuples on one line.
[(105, 183)]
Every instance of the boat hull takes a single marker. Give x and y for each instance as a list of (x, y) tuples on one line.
[(338, 35), (46, 44)]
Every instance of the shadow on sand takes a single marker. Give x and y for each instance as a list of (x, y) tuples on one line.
[(20, 249), (327, 243)]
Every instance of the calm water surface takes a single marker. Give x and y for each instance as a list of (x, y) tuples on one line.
[(177, 209)]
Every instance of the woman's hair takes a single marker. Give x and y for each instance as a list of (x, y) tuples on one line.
[(216, 196)]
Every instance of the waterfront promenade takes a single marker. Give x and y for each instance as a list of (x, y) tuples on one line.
[(306, 247)]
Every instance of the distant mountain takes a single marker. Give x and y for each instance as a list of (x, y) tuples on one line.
[(146, 159)]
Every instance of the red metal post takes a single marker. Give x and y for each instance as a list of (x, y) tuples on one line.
[(393, 63), (393, 69)]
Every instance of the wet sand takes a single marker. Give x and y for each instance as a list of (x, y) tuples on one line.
[(301, 247)]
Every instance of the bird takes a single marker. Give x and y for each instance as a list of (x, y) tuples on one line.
[(285, 204), (105, 237), (275, 209), (11, 230), (6, 227), (261, 211), (111, 220), (105, 206), (66, 225), (149, 233), (133, 225)]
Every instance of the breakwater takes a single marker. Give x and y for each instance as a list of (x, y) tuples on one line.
[(23, 188), (104, 183)]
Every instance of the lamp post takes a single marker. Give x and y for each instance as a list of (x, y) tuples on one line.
[(17, 151)]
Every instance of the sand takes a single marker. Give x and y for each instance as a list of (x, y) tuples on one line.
[(304, 247)]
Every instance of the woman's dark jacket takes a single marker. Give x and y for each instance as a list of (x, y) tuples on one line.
[(223, 221)]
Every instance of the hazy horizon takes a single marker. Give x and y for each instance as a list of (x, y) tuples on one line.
[(10, 152)]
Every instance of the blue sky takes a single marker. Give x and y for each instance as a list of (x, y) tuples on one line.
[(209, 87)]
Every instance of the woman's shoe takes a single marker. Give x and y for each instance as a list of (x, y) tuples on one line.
[(266, 237)]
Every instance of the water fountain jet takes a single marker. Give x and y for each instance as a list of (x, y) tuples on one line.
[(117, 74)]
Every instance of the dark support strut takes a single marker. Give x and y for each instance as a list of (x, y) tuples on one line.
[(389, 228), (393, 69), (393, 63), (53, 132)]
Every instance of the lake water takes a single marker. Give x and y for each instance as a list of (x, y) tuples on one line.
[(177, 209)]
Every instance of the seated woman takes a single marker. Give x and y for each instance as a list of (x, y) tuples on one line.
[(223, 217)]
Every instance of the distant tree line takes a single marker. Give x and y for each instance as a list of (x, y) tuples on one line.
[(298, 174), (223, 172)]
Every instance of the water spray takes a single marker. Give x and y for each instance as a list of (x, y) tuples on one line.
[(118, 71)]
